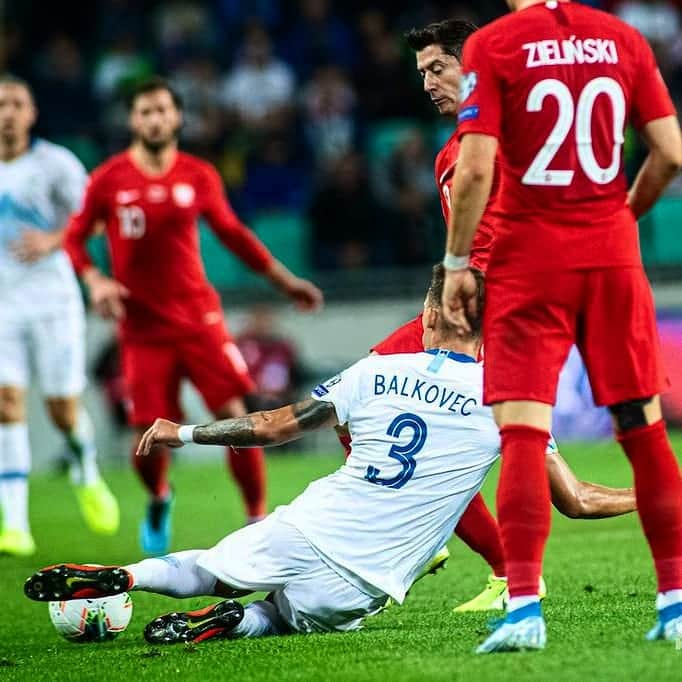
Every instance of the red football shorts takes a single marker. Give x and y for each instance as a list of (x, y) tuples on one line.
[(530, 324), (153, 372), (405, 339)]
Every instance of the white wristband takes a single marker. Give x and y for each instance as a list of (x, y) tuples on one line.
[(451, 262), (186, 433)]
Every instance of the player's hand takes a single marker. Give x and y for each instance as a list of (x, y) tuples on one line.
[(161, 432), (460, 299), (33, 245), (107, 296), (304, 294)]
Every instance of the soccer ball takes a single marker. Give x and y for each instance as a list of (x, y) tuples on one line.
[(91, 620)]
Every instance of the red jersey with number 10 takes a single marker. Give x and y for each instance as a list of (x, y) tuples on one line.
[(445, 169), (556, 83), (151, 230)]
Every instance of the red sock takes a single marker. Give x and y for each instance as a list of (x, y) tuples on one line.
[(523, 506), (153, 470), (345, 440), (248, 468), (479, 530), (658, 489)]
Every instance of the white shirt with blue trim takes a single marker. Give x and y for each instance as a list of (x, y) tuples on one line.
[(38, 190), (422, 443)]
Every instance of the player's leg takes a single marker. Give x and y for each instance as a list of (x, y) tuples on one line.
[(629, 382), (15, 465), (15, 453), (97, 503), (529, 327), (58, 343), (215, 366), (152, 374)]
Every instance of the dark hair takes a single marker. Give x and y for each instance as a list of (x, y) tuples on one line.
[(435, 294), (153, 84), (449, 34), (11, 79)]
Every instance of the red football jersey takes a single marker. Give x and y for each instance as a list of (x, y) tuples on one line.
[(445, 169), (151, 230), (556, 83)]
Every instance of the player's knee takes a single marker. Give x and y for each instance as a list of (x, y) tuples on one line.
[(630, 414), (12, 407)]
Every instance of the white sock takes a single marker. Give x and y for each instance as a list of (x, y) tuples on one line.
[(175, 575), (669, 598), (261, 618), (519, 602), (81, 442), (15, 464)]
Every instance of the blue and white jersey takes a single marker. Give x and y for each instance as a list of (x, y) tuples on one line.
[(38, 190), (423, 442)]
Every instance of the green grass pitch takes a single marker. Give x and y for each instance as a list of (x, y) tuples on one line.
[(600, 599)]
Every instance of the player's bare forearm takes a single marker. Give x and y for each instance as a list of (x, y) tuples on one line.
[(583, 500), (471, 187), (268, 428), (304, 293), (664, 139)]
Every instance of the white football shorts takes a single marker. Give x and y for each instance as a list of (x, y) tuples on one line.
[(273, 556), (48, 343)]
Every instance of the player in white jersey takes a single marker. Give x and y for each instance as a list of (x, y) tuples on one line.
[(42, 322), (423, 443)]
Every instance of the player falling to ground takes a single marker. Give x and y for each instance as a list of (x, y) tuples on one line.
[(41, 318), (422, 445), (438, 49), (170, 319), (554, 85)]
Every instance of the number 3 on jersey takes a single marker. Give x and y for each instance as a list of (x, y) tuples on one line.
[(403, 453), (131, 221), (538, 172)]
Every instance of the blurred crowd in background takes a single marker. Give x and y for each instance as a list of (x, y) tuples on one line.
[(310, 108)]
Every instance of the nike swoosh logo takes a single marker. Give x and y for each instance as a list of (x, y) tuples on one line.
[(75, 579)]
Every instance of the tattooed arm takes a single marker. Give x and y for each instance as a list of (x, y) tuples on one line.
[(258, 428)]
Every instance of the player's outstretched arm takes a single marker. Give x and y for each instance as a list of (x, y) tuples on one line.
[(273, 427), (581, 499)]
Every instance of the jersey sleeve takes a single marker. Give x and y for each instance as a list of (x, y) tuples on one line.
[(480, 92), (70, 181), (405, 339), (82, 224), (229, 229), (650, 96), (341, 390), (552, 447)]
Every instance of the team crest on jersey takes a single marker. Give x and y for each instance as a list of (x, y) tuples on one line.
[(127, 196), (156, 194), (467, 85), (183, 194)]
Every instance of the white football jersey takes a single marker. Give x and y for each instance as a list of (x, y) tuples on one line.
[(423, 442), (38, 190)]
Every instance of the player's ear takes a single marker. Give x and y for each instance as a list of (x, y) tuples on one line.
[(430, 318)]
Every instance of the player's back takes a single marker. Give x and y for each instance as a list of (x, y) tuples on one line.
[(568, 78), (422, 444)]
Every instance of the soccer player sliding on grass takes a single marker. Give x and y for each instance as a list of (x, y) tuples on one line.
[(423, 444), (549, 90)]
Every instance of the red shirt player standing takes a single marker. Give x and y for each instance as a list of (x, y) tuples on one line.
[(170, 319), (554, 85), (438, 49)]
